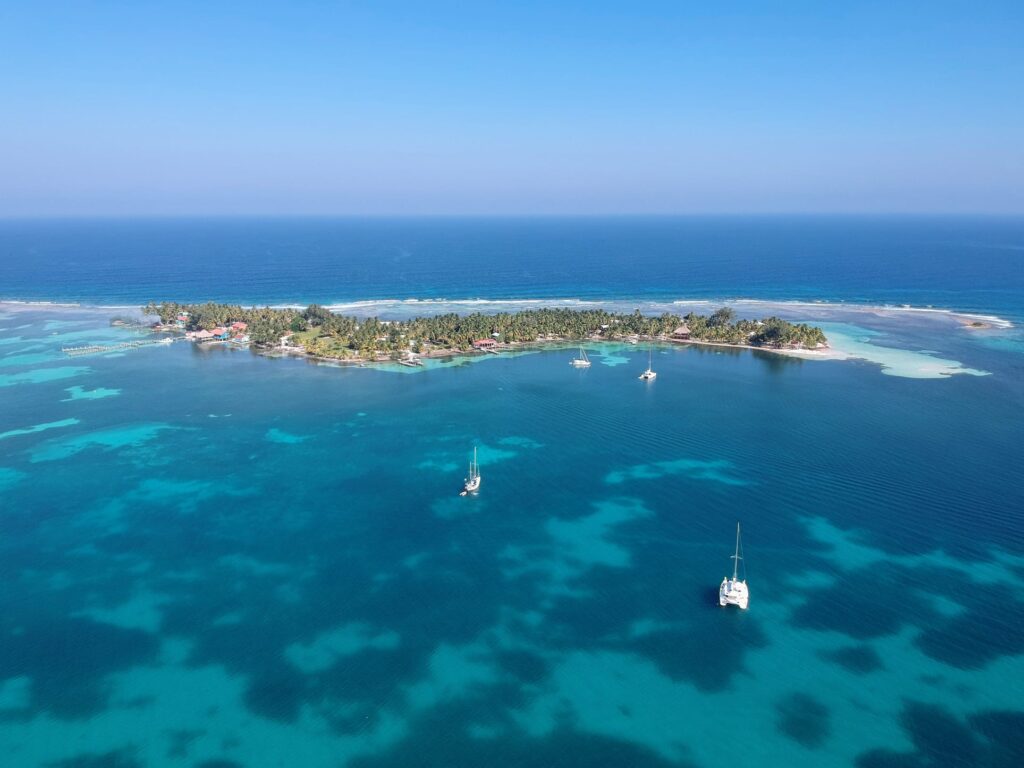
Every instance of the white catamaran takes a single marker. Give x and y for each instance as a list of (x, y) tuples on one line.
[(582, 361), (649, 374), (733, 591), (472, 483)]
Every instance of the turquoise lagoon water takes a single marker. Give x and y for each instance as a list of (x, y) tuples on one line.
[(210, 558)]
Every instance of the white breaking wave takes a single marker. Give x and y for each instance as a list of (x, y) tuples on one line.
[(443, 305), (395, 309), (887, 308), (404, 308), (15, 303), (22, 303)]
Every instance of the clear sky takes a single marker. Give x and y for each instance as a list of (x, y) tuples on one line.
[(511, 107)]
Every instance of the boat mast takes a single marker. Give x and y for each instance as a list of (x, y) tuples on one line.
[(736, 557)]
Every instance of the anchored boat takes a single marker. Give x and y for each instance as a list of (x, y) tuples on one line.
[(472, 483), (649, 374), (582, 361), (733, 591)]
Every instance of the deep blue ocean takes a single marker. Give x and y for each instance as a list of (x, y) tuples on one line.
[(215, 559), (974, 264)]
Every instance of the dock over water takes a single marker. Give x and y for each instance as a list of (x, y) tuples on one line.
[(99, 349)]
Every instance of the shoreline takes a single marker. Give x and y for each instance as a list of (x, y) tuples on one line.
[(893, 360), (389, 308), (825, 353)]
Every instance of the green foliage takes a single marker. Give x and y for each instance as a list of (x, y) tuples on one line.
[(317, 315), (326, 334), (266, 325), (721, 317), (776, 332), (769, 332)]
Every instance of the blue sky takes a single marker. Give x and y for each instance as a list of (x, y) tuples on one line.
[(511, 108)]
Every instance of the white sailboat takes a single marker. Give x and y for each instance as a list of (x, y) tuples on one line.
[(649, 374), (472, 483), (582, 361), (733, 591)]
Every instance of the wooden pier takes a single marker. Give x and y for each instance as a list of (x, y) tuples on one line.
[(99, 349)]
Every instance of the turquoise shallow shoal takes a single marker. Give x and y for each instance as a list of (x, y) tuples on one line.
[(229, 560)]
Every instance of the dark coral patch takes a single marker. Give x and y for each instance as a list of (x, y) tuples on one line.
[(939, 736), (990, 628), (864, 604), (1005, 734), (886, 758), (69, 659), (118, 758), (442, 739), (524, 666), (860, 659), (990, 739), (804, 719), (707, 653), (276, 696)]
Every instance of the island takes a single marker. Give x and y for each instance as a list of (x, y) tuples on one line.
[(319, 333)]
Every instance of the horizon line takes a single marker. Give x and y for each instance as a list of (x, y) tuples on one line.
[(508, 215)]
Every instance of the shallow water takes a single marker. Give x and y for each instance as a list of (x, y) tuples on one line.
[(234, 560)]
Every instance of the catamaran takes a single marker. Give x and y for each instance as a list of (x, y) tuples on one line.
[(582, 361), (472, 483), (649, 373), (733, 591)]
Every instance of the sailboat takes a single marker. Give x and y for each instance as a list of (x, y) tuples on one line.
[(649, 374), (582, 361), (472, 483), (733, 591)]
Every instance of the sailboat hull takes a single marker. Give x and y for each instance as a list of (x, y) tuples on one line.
[(472, 483), (582, 361), (733, 592), (649, 374)]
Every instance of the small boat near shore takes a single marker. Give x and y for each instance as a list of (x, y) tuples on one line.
[(472, 482), (582, 361), (734, 591)]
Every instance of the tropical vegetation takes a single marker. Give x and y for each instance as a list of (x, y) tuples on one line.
[(323, 333)]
